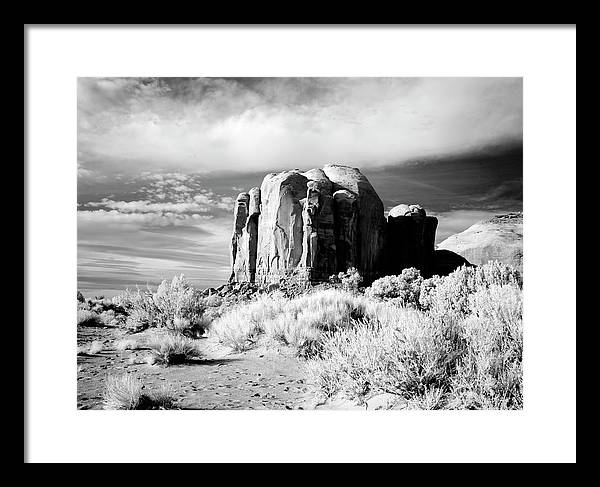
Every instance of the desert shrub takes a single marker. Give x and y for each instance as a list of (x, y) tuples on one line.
[(428, 291), (127, 344), (88, 318), (212, 301), (239, 327), (349, 280), (127, 392), (171, 349), (490, 376), (96, 347), (139, 308), (175, 305), (403, 289), (178, 300), (401, 352), (471, 359), (298, 322), (451, 294), (139, 319)]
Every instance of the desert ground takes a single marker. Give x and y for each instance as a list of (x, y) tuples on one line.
[(263, 378), (403, 342)]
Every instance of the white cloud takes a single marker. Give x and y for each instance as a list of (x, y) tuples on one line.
[(121, 219), (217, 124), (144, 206)]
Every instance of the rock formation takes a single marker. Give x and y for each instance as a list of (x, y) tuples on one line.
[(499, 238), (307, 226)]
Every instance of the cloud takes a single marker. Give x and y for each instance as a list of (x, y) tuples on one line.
[(145, 206), (180, 226), (114, 217), (212, 124)]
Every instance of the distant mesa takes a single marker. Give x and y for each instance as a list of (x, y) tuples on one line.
[(309, 225), (499, 238)]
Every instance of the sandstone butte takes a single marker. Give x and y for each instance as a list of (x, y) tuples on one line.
[(307, 226)]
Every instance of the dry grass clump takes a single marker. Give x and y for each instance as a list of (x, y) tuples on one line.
[(298, 322), (172, 349), (93, 348), (96, 347), (127, 344), (127, 392), (86, 317)]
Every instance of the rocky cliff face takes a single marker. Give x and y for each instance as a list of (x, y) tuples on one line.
[(500, 238)]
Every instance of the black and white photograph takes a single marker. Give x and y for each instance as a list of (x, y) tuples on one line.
[(294, 243), (287, 243)]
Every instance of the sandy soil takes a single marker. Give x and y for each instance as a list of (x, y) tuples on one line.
[(263, 378)]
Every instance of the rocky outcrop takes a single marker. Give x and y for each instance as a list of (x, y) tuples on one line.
[(499, 238), (306, 226), (410, 240)]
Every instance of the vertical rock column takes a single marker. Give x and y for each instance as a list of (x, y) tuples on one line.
[(245, 236), (240, 215), (252, 232)]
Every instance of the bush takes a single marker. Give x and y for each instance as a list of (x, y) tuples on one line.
[(467, 360), (127, 344), (96, 347), (175, 305), (139, 319), (170, 349), (350, 280), (403, 289), (88, 318), (178, 301), (451, 294), (126, 392), (298, 322)]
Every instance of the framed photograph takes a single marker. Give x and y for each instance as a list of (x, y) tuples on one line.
[(284, 244)]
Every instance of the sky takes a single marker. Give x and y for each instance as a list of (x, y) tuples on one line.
[(161, 160)]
